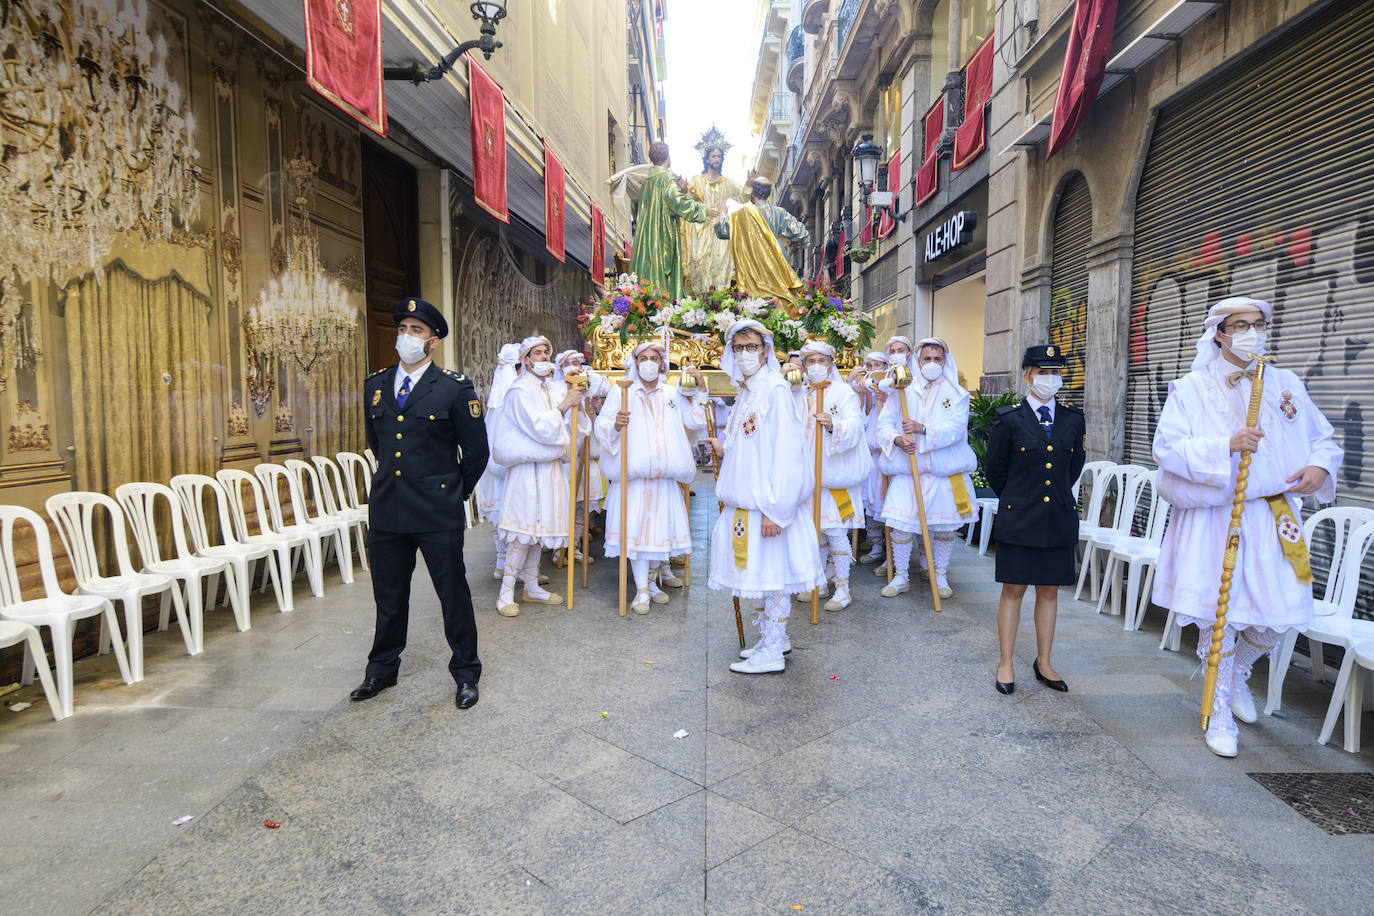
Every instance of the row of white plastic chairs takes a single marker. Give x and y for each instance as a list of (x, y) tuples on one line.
[(1343, 552), (180, 571)]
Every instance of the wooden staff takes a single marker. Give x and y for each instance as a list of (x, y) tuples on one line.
[(901, 380), (576, 380), (819, 388), (586, 513), (711, 431), (624, 384), (1228, 560)]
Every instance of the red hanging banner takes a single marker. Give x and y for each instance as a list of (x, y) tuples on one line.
[(839, 255), (598, 247), (343, 57), (554, 200), (488, 141), (928, 175), (1085, 63), (886, 224), (866, 234), (971, 137)]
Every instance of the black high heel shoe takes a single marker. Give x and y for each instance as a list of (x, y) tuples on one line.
[(1052, 684), (1005, 689)]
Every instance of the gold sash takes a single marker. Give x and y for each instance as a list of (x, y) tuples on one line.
[(1289, 530), (740, 538), (842, 503), (962, 504)]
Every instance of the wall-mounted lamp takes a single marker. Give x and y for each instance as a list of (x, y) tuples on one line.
[(488, 13)]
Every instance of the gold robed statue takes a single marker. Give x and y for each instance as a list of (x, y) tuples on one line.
[(708, 259), (757, 231)]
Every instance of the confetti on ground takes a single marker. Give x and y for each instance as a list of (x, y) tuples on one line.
[(834, 677), (604, 714), (798, 907), (182, 820), (271, 825), (19, 707), (647, 662), (680, 733)]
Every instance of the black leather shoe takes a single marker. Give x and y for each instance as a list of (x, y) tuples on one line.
[(371, 686), (1006, 688), (1053, 685), (467, 696)]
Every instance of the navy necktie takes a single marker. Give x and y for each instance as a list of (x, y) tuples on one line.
[(405, 393), (1046, 421)]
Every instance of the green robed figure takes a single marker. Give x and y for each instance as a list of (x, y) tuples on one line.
[(657, 255)]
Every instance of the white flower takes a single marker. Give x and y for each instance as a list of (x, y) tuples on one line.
[(724, 318), (626, 282), (611, 322), (753, 308), (696, 317), (662, 316)]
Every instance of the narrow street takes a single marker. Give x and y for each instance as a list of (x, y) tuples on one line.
[(880, 773)]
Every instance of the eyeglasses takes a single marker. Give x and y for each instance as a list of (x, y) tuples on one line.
[(1240, 326), (746, 348)]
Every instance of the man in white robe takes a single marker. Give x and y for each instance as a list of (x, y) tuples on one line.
[(845, 464), (571, 362), (764, 544), (534, 438), (494, 480), (659, 460), (936, 432), (1198, 444), (864, 380)]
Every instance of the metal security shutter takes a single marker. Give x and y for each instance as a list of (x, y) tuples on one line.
[(880, 280), (1068, 325), (1259, 183)]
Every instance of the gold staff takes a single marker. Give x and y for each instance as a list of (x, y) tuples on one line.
[(575, 380), (624, 384), (711, 431), (901, 380), (1228, 560), (819, 388)]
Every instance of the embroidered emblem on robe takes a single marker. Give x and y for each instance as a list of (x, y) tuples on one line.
[(751, 425), (1287, 407)]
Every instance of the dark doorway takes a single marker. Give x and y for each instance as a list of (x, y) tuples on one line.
[(391, 229)]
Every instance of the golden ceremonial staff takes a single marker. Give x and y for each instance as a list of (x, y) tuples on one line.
[(1228, 560), (819, 388), (575, 380), (711, 431), (624, 384), (901, 380)]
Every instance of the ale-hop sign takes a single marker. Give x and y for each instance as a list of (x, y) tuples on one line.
[(953, 233)]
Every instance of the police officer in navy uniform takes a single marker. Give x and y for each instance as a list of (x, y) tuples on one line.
[(1035, 453), (424, 424)]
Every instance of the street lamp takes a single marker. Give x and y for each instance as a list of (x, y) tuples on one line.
[(488, 13), (866, 154)]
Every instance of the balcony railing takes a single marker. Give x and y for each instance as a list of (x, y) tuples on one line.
[(796, 59), (844, 22), (781, 107)]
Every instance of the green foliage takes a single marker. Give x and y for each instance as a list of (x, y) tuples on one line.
[(982, 411)]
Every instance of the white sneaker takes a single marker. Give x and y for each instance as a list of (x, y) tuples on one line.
[(895, 587), (753, 650), (1243, 704), (1221, 743), (641, 603), (840, 601), (759, 663)]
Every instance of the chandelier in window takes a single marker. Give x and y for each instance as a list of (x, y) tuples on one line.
[(92, 139), (303, 315)]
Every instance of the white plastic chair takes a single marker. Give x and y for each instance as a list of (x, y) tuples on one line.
[(75, 515), (286, 542), (355, 466), (139, 501), (339, 530), (271, 476), (240, 556), (57, 611), (1092, 472), (14, 633), (371, 458), (987, 511), (1139, 554), (1344, 521), (1131, 480), (337, 504), (1349, 694)]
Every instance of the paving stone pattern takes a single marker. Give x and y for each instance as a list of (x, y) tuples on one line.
[(880, 773)]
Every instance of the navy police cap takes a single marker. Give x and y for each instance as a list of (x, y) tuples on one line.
[(1044, 356), (423, 311)]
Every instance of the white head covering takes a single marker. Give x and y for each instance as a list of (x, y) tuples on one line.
[(887, 347), (505, 372), (769, 363), (558, 362), (823, 348), (529, 343), (1207, 349), (951, 373), (632, 364), (879, 355), (598, 385)]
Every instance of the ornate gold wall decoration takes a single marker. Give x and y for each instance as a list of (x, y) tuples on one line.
[(238, 420), (30, 432), (283, 421)]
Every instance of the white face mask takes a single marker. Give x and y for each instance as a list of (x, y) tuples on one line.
[(931, 371), (648, 370), (1247, 342), (817, 373), (748, 362), (898, 359), (1045, 386), (542, 368), (411, 349)]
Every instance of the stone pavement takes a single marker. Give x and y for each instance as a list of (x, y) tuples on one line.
[(880, 773)]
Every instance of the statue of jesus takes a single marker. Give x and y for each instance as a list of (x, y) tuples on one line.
[(708, 257)]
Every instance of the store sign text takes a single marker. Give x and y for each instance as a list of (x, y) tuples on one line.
[(953, 233)]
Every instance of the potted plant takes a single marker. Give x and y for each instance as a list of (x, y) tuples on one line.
[(982, 412)]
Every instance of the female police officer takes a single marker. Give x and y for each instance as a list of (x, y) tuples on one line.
[(1035, 453)]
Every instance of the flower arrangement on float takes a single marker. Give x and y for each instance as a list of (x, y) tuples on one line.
[(632, 309)]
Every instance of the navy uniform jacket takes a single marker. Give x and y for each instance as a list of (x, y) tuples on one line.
[(429, 455), (1034, 476)]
